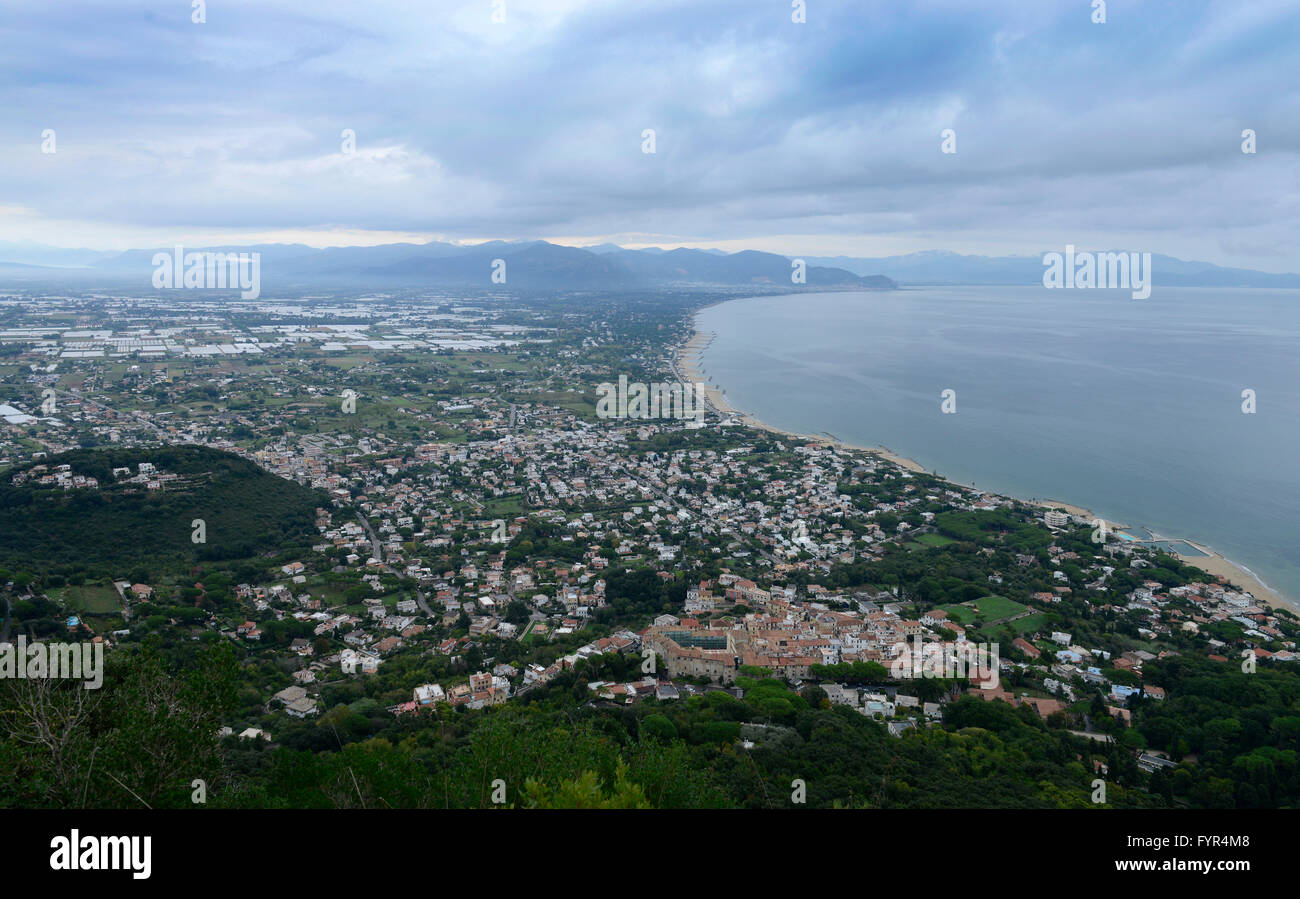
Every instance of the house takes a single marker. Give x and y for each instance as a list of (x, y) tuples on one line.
[(301, 708), (1043, 707), (350, 660), (1150, 763), (837, 694), (876, 706), (896, 728), (290, 695), (429, 694), (388, 644), (1026, 647)]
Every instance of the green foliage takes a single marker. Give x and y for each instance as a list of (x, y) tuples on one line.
[(139, 740), (110, 530)]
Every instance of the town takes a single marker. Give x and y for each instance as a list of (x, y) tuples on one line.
[(482, 534)]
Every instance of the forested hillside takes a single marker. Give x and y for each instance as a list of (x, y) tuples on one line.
[(103, 530), (555, 748)]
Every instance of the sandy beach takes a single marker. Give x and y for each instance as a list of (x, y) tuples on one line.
[(688, 371), (1237, 575), (687, 365)]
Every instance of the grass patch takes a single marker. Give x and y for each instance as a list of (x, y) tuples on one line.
[(934, 540), (995, 608), (1029, 624), (961, 614), (89, 599)]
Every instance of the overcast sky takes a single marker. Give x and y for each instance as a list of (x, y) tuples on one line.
[(815, 138)]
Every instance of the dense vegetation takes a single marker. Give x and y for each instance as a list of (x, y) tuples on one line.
[(555, 747), (104, 532)]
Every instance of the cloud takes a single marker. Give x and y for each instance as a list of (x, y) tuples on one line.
[(765, 129)]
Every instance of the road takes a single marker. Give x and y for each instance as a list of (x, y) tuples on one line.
[(377, 552), (376, 548), (419, 597), (126, 600)]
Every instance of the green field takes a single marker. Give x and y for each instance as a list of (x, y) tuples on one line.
[(511, 506), (995, 608), (961, 614), (987, 608), (1029, 624), (89, 599), (934, 540)]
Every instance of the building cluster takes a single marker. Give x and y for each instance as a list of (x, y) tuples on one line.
[(473, 505)]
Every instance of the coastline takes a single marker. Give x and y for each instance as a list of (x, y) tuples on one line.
[(687, 372), (685, 363)]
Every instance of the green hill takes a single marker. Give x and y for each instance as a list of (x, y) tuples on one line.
[(122, 522)]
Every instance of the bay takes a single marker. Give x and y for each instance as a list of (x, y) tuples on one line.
[(1131, 408)]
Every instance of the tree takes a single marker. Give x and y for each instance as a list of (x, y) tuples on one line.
[(658, 727)]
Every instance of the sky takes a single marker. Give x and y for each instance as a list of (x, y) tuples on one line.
[(821, 137)]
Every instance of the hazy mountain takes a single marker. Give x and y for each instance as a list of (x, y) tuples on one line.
[(22, 253), (615, 248), (546, 265), (538, 264), (535, 265), (135, 261), (527, 264), (746, 267), (944, 267)]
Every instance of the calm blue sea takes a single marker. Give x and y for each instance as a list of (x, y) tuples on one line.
[(1131, 408)]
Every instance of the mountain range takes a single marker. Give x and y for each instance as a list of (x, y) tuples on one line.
[(945, 267), (539, 264), (534, 264)]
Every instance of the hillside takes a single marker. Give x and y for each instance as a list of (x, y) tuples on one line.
[(122, 522)]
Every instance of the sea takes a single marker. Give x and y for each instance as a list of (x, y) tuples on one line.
[(1137, 409)]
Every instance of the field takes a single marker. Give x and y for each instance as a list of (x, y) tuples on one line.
[(987, 608), (961, 614), (995, 608), (1029, 624), (89, 599), (934, 540), (510, 506)]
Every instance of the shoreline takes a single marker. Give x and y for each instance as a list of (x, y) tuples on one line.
[(685, 361)]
